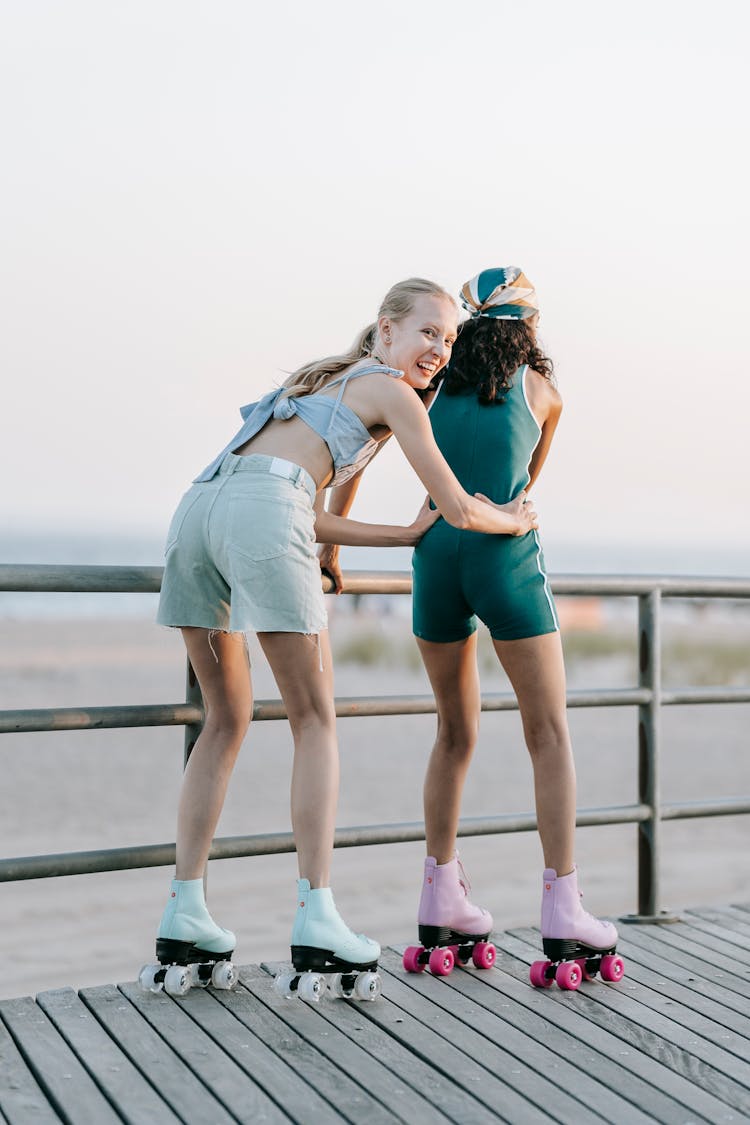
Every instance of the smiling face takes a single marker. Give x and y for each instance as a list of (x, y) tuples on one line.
[(419, 344)]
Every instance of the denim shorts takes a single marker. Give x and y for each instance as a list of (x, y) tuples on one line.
[(240, 552)]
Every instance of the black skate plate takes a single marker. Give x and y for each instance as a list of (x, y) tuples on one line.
[(568, 949), (433, 936), (309, 958), (171, 952)]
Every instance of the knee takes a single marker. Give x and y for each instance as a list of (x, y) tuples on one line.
[(228, 725), (457, 739), (546, 736)]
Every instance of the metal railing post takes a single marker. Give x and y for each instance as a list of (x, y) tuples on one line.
[(192, 695), (649, 722)]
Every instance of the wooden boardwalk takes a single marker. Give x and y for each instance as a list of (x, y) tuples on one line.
[(670, 1043)]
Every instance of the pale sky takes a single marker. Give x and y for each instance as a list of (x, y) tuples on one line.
[(197, 197)]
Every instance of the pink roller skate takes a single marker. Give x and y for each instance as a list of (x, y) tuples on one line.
[(450, 927), (576, 944)]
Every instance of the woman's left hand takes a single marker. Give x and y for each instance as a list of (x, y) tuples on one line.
[(328, 557), (426, 517), (521, 509)]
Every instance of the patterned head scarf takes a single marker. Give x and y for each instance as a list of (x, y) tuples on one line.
[(505, 293)]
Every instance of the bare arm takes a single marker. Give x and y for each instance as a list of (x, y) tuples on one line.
[(547, 408), (330, 528), (340, 500)]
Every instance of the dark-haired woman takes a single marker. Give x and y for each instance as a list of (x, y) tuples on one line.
[(493, 419)]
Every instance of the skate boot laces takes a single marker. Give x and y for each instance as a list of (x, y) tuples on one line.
[(463, 878)]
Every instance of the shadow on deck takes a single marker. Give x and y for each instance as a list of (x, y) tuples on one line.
[(670, 1042)]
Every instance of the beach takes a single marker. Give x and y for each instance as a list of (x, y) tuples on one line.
[(66, 791)]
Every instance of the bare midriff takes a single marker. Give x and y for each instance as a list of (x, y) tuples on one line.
[(293, 440)]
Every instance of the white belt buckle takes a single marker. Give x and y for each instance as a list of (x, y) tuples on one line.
[(281, 468)]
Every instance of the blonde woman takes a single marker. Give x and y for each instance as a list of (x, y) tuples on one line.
[(240, 556)]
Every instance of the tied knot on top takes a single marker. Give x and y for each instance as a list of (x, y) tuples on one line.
[(285, 408), (503, 293)]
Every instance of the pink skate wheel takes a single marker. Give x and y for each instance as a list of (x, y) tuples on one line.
[(581, 962), (538, 974), (442, 962), (569, 975), (483, 955), (411, 961), (612, 968)]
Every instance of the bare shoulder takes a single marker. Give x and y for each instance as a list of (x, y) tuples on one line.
[(380, 398), (544, 399)]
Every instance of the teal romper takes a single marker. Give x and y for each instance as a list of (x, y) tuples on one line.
[(461, 575)]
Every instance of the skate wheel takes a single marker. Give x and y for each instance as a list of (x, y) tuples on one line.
[(223, 975), (585, 974), (282, 985), (442, 962), (569, 976), (367, 986), (538, 974), (311, 987), (336, 986), (411, 959), (147, 979), (612, 968), (483, 955), (197, 979), (177, 981)]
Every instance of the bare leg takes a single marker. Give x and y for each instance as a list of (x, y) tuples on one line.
[(452, 669), (536, 671), (224, 680), (295, 660)]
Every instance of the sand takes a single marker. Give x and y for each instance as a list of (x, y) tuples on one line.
[(79, 790)]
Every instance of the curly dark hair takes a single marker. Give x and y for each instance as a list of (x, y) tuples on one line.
[(486, 355)]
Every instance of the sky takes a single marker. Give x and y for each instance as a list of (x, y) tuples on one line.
[(198, 197)]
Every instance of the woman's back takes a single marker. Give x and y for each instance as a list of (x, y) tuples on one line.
[(487, 445)]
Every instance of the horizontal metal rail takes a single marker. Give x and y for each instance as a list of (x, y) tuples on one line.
[(277, 843), (649, 697), (347, 707), (69, 579)]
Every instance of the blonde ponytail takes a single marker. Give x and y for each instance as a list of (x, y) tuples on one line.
[(397, 304)]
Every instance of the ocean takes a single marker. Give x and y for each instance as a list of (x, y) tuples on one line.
[(143, 548)]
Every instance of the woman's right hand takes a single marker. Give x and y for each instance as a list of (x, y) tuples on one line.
[(520, 509)]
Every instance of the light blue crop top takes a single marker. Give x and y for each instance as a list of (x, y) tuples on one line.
[(343, 431)]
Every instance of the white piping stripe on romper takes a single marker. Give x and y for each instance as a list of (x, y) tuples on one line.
[(543, 573)]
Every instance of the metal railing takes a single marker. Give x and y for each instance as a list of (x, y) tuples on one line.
[(649, 696)]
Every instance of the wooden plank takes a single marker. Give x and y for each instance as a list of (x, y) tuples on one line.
[(717, 941), (65, 1081), (699, 1023), (226, 1080), (405, 1066), (22, 1100), (502, 1082), (647, 1083), (274, 1075), (670, 1093), (715, 963), (574, 1091), (656, 940), (596, 1079), (735, 921), (678, 984), (288, 1028), (175, 1081), (129, 1092), (679, 1049)]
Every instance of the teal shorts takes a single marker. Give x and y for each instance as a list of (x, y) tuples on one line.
[(459, 576), (240, 552)]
